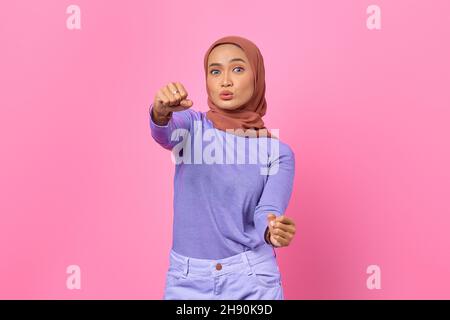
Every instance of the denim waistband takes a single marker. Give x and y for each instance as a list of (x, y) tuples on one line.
[(233, 263)]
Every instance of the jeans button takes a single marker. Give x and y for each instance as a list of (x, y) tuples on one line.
[(218, 266)]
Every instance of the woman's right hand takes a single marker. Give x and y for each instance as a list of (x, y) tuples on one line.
[(170, 98)]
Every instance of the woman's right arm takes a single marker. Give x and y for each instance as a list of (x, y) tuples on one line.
[(169, 112)]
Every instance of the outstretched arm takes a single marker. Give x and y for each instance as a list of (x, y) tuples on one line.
[(162, 134), (274, 201)]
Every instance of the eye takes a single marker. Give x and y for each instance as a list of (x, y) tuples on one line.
[(212, 71), (239, 68)]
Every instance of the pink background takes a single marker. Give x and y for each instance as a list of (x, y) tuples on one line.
[(366, 112)]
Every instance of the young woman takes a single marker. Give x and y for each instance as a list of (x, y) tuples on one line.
[(228, 211)]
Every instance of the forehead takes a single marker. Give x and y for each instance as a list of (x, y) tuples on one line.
[(225, 52)]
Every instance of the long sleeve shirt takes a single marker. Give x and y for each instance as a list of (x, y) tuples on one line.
[(222, 196)]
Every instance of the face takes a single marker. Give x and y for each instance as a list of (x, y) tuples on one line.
[(229, 70)]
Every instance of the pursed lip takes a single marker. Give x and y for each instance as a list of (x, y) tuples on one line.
[(225, 92), (226, 95)]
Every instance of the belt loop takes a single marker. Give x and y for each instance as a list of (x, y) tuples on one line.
[(186, 267), (274, 252), (249, 267)]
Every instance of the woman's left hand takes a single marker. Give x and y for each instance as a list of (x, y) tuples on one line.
[(281, 230)]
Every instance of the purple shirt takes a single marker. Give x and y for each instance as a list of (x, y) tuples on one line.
[(221, 203)]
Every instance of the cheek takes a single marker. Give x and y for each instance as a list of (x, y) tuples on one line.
[(211, 86), (247, 85), (210, 92)]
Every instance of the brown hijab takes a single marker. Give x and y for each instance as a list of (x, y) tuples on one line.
[(249, 115)]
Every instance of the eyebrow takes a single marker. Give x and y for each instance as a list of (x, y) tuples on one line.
[(234, 59)]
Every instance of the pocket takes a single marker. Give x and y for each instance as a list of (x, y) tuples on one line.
[(173, 275), (267, 273)]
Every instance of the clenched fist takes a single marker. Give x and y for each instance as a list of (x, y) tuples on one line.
[(170, 98), (281, 230)]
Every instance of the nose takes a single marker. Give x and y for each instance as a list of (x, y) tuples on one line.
[(226, 81), (226, 84)]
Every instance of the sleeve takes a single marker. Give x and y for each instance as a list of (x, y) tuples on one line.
[(277, 190), (163, 135)]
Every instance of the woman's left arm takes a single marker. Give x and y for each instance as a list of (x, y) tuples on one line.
[(271, 224)]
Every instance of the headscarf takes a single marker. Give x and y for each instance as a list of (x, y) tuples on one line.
[(249, 115)]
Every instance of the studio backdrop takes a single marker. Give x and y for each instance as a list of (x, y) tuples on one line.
[(358, 89)]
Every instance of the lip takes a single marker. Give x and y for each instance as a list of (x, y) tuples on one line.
[(226, 95)]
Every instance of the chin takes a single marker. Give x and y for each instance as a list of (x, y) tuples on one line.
[(226, 106)]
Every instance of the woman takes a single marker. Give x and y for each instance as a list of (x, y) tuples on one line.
[(228, 214)]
